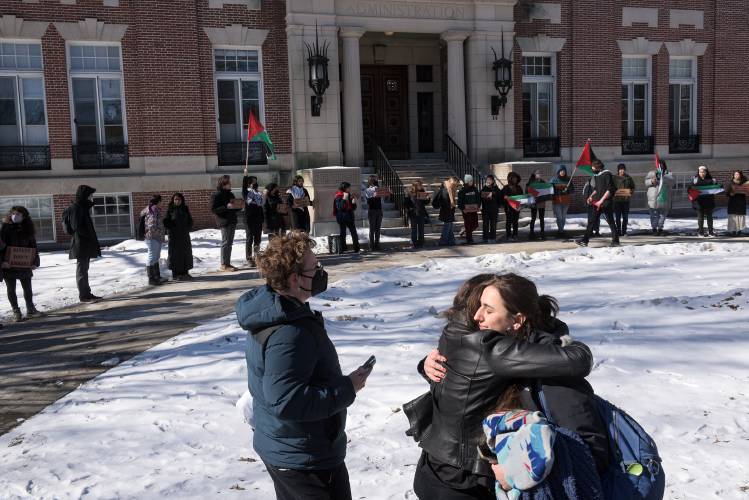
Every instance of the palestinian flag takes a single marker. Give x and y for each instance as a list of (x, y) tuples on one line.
[(585, 163), (695, 192), (542, 191), (256, 132), (662, 193), (519, 200)]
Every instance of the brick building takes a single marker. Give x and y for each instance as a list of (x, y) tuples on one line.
[(135, 97)]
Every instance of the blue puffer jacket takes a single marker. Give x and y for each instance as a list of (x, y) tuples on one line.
[(299, 394)]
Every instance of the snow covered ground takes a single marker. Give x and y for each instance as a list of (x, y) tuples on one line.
[(666, 323), (122, 268)]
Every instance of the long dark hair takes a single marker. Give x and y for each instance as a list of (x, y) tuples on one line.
[(171, 201), (468, 300), (27, 225), (224, 179), (742, 178)]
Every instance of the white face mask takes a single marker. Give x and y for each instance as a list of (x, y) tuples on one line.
[(16, 218)]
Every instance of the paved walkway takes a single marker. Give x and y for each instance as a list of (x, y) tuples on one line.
[(42, 360)]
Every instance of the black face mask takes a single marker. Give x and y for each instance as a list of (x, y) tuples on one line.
[(319, 281), (254, 186)]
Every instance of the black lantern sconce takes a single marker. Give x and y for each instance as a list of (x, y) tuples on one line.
[(502, 68), (317, 58)]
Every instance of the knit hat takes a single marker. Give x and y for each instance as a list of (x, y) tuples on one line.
[(468, 178), (702, 167)]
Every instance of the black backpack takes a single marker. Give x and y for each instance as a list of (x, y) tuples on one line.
[(140, 232), (437, 200), (67, 219)]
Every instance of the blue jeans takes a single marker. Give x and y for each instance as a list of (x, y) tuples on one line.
[(447, 237), (154, 251), (560, 212), (658, 217)]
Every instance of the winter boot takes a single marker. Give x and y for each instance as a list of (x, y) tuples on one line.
[(151, 277), (32, 312), (17, 316), (157, 274)]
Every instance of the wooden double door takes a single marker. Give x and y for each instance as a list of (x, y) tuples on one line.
[(384, 93)]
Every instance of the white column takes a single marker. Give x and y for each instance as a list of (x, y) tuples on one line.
[(456, 87), (352, 111)]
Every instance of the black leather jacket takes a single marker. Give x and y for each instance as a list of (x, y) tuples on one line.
[(480, 365)]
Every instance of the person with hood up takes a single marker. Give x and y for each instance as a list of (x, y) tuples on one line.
[(563, 190), (18, 231), (344, 209), (469, 201), (299, 393), (85, 244), (154, 238)]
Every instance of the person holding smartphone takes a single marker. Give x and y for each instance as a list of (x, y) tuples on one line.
[(299, 393)]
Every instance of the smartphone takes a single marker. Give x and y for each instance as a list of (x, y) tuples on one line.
[(368, 364)]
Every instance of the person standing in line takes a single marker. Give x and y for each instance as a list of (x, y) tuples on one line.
[(299, 216), (600, 200), (344, 207), (2, 248), (538, 209), (274, 222), (491, 197), (446, 201), (18, 231), (512, 216), (226, 218), (416, 200), (154, 239), (178, 223), (704, 204), (469, 198), (736, 204), (85, 244), (659, 184), (253, 216), (621, 203), (374, 213), (587, 191), (563, 189)]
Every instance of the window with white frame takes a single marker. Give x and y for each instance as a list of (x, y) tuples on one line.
[(682, 98), (97, 94), (112, 215), (40, 209), (636, 96), (239, 90), (539, 96), (23, 120)]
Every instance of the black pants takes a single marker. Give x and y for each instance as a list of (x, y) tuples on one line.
[(354, 236), (254, 235), (538, 212), (702, 214), (300, 220), (594, 220), (621, 214), (292, 484), (597, 220), (428, 486), (375, 226), (81, 277), (10, 286), (489, 225), (512, 217), (417, 230), (227, 240)]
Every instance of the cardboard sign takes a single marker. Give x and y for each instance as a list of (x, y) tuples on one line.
[(422, 195), (282, 208), (486, 194), (301, 202), (740, 188), (623, 193), (237, 203), (382, 192), (560, 187), (471, 209), (20, 257)]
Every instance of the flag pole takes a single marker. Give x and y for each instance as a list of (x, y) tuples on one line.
[(575, 169), (247, 149)]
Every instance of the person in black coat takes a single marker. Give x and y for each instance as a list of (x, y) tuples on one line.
[(477, 367), (415, 202), (374, 212), (491, 197), (704, 204), (446, 201), (512, 216), (468, 197), (601, 200), (178, 223), (538, 209), (18, 231), (274, 219), (226, 219), (344, 207), (736, 204), (85, 244), (299, 216), (253, 215)]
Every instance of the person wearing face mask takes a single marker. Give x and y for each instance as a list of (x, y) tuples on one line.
[(299, 216), (253, 216), (178, 223), (470, 369), (299, 393), (18, 231), (226, 218), (85, 244)]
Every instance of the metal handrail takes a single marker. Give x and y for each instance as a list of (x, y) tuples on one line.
[(461, 164), (389, 177)]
